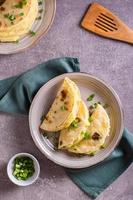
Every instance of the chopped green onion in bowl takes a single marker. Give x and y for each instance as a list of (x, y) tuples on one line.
[(23, 168)]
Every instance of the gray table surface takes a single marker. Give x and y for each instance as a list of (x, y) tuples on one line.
[(110, 60)]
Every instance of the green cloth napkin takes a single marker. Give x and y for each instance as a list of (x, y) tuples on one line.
[(96, 179), (16, 94)]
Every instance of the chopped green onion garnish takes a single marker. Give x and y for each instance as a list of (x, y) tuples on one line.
[(92, 153), (6, 15), (103, 146), (21, 4), (23, 168), (90, 98), (10, 17), (17, 41), (38, 18), (63, 108), (32, 33), (86, 135), (99, 102), (106, 106), (74, 124), (95, 105), (40, 3), (21, 14), (90, 119), (41, 10)]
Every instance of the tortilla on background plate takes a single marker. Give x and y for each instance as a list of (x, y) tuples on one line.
[(16, 18)]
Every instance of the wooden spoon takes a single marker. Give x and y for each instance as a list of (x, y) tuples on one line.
[(102, 22)]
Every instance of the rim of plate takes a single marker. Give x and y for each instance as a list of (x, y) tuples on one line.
[(80, 165), (38, 37)]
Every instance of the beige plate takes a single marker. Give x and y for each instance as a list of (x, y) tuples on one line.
[(40, 27), (88, 84)]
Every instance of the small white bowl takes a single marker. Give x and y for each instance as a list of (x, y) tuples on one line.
[(31, 179)]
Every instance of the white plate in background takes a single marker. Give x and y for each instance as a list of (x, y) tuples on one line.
[(41, 27)]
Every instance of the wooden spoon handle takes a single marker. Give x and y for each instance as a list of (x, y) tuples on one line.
[(129, 37)]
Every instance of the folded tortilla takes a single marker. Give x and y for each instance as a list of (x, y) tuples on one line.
[(99, 129), (72, 135), (64, 108)]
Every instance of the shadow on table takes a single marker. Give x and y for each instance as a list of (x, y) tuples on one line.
[(5, 184)]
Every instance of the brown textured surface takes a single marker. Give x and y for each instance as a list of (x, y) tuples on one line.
[(110, 60)]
